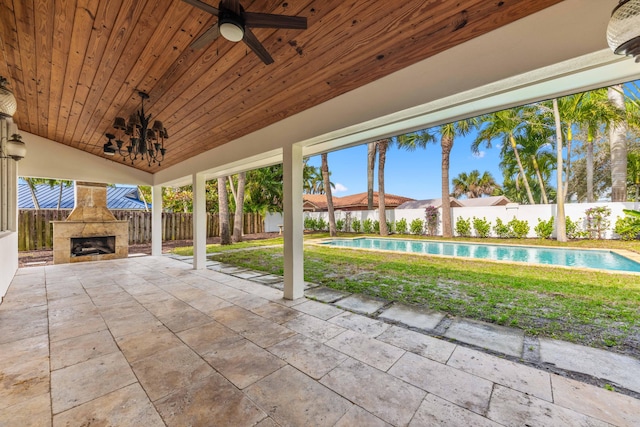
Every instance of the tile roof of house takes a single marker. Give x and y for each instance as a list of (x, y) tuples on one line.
[(117, 197), (353, 200)]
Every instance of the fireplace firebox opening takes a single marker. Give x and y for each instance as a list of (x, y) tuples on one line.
[(99, 245)]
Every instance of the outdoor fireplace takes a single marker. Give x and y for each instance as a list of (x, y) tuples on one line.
[(91, 232)]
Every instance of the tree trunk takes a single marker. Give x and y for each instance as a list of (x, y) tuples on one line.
[(140, 194), (561, 224), (447, 145), (32, 189), (327, 192), (371, 163), (223, 211), (382, 157), (618, 142), (238, 219), (567, 173), (590, 196), (60, 197), (514, 147), (545, 200)]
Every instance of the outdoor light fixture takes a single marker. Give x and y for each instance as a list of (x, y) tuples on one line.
[(146, 143), (13, 147), (623, 32)]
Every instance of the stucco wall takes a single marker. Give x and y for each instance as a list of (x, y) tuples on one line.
[(8, 259)]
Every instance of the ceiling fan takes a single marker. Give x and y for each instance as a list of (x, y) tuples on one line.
[(234, 22)]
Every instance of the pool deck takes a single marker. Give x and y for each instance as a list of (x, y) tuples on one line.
[(150, 341)]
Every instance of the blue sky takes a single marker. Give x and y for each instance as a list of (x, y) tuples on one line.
[(411, 174)]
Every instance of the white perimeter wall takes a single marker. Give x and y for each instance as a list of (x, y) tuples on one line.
[(8, 260), (530, 213)]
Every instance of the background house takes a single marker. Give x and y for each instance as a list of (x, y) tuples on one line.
[(354, 202), (48, 197)]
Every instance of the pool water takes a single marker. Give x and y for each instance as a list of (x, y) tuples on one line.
[(600, 259)]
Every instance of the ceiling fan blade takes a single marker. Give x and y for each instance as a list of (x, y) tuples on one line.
[(200, 5), (207, 37), (267, 20), (257, 47)]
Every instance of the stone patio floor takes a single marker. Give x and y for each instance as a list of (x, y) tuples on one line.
[(148, 341)]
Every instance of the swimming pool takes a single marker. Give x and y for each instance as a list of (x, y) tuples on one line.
[(600, 259)]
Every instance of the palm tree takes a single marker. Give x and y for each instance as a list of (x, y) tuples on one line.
[(633, 172), (371, 163), (537, 158), (238, 196), (263, 191), (561, 226), (312, 179), (618, 141), (474, 185), (223, 211), (327, 187), (506, 125), (32, 183), (383, 146)]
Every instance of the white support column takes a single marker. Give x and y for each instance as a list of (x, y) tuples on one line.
[(156, 220), (293, 230), (199, 222)]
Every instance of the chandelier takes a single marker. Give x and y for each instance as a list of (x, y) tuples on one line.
[(623, 31), (144, 142)]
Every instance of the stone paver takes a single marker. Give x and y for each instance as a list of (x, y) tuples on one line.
[(363, 325), (461, 388), (513, 375), (391, 399), (361, 304), (368, 350), (325, 294), (486, 335), (285, 395), (596, 402), (417, 343), (612, 367), (415, 317), (513, 408), (234, 352)]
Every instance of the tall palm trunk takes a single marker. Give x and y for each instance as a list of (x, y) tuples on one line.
[(382, 157), (140, 194), (223, 211), (545, 200), (238, 219), (590, 197), (618, 142), (567, 172), (447, 228), (60, 197), (371, 163), (327, 192), (514, 147), (561, 223), (32, 189)]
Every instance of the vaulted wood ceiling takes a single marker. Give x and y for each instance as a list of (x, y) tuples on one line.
[(76, 65)]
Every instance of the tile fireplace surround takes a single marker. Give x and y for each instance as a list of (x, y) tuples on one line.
[(89, 218)]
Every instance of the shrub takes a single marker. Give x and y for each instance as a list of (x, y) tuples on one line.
[(502, 230), (482, 227), (340, 224), (573, 229), (628, 228), (376, 226), (390, 228), (401, 226), (519, 228), (598, 221), (431, 220), (416, 226), (544, 229), (310, 224), (355, 224), (463, 227), (347, 222), (322, 224), (367, 226)]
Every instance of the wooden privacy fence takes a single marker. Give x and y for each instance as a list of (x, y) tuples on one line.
[(35, 230)]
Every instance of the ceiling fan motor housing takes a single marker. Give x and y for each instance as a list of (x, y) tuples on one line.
[(231, 25)]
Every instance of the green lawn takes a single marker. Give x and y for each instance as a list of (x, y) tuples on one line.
[(593, 308)]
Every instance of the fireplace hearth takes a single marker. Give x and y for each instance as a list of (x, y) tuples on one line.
[(91, 232)]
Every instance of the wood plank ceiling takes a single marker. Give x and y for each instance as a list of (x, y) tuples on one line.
[(75, 65)]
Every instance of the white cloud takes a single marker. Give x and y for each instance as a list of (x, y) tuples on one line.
[(339, 188), (479, 154)]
